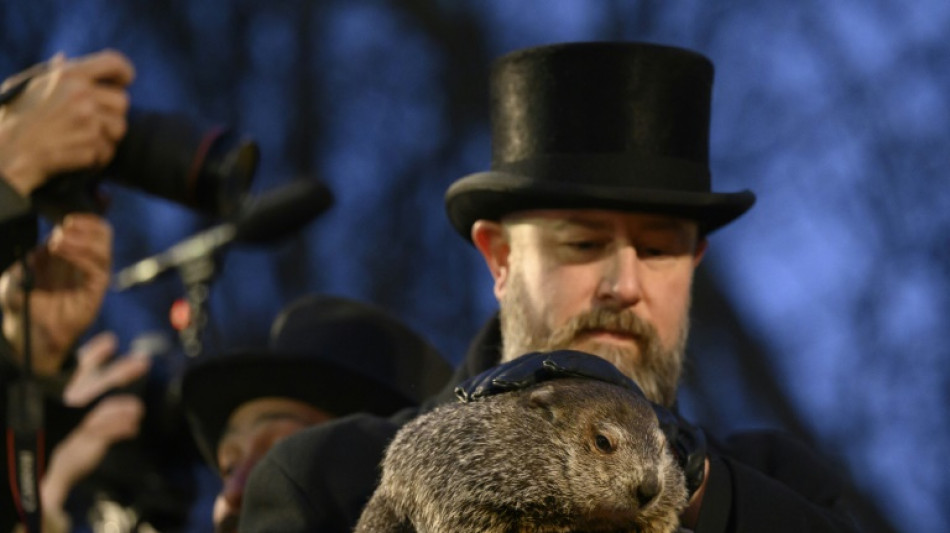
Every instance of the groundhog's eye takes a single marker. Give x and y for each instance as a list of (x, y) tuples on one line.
[(603, 443)]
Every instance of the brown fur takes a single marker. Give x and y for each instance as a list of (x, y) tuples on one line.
[(529, 461)]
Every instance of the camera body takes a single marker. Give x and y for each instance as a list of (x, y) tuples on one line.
[(205, 167)]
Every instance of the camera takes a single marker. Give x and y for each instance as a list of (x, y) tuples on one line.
[(202, 166)]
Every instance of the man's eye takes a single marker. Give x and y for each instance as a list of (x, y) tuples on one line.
[(652, 252), (586, 245)]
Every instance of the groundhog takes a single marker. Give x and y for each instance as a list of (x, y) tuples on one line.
[(565, 455)]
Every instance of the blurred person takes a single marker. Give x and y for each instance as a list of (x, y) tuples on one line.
[(328, 357), (70, 275), (592, 221), (56, 116), (112, 419), (70, 272)]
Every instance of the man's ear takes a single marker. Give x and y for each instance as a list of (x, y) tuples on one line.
[(492, 241)]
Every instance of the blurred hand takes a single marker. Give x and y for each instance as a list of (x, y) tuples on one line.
[(71, 277), (115, 418), (70, 116), (97, 373)]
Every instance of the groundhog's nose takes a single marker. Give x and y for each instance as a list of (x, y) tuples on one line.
[(648, 489)]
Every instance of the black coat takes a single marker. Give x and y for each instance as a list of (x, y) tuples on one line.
[(318, 480)]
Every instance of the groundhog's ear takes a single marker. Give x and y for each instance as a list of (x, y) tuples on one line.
[(544, 399)]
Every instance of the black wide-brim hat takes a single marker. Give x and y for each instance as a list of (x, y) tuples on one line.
[(336, 354), (604, 125)]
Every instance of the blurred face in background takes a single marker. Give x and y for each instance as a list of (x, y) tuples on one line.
[(614, 284), (253, 428)]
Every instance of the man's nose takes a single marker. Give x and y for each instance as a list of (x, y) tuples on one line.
[(620, 286)]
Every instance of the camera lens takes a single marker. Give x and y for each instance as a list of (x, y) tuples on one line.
[(205, 167)]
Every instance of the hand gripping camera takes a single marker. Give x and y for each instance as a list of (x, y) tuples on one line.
[(205, 167)]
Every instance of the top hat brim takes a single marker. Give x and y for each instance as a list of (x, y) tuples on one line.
[(212, 389), (492, 195)]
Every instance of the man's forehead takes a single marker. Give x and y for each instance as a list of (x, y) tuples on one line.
[(261, 410), (558, 219)]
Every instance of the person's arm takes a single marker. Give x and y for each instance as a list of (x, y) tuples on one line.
[(769, 482)]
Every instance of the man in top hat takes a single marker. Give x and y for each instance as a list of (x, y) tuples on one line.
[(328, 357), (592, 220)]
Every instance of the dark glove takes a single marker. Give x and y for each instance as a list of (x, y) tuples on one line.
[(688, 442), (536, 367)]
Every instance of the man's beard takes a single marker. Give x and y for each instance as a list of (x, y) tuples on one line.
[(654, 368)]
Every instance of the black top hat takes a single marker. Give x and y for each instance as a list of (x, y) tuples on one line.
[(609, 125), (336, 354)]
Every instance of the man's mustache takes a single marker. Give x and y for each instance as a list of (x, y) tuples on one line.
[(623, 322)]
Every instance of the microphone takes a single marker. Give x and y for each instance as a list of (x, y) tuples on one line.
[(282, 211), (263, 219)]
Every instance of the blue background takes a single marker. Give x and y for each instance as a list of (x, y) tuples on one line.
[(823, 311)]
